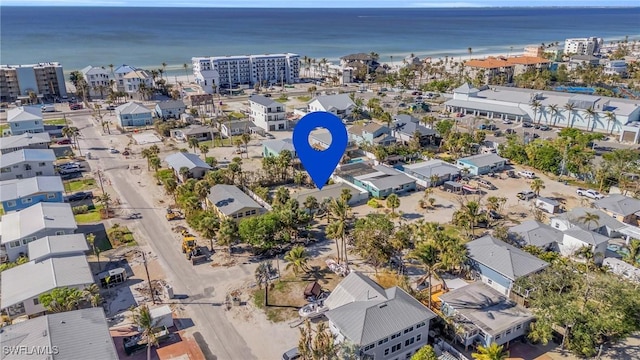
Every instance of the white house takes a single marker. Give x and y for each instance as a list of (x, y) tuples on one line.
[(616, 67), (27, 163), (24, 141), (196, 167), (268, 114), (576, 238), (134, 80), (24, 119), (340, 105), (98, 79), (120, 73)]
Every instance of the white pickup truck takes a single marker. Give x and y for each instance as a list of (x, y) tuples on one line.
[(592, 194)]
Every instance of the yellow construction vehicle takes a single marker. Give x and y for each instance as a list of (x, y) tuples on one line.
[(173, 214), (190, 248)]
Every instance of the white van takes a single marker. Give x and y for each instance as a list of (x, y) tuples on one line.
[(48, 108), (527, 174)]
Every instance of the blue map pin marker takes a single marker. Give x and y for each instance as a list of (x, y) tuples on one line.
[(320, 163)]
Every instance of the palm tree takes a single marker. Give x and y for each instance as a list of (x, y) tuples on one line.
[(297, 259), (105, 199), (471, 213), (491, 352), (590, 114), (570, 107), (186, 68), (554, 112), (470, 51), (155, 163), (204, 149), (164, 68), (147, 154), (227, 233), (311, 203), (634, 252), (611, 118), (145, 322), (246, 138), (170, 186), (427, 254), (589, 218), (71, 133), (535, 105), (263, 274), (193, 143), (184, 173), (393, 202), (537, 185), (338, 218)]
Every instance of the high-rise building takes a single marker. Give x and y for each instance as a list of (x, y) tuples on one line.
[(217, 72), (583, 46), (45, 80)]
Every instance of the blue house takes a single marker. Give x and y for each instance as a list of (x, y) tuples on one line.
[(133, 114), (18, 194), (482, 163), (275, 147), (499, 264)]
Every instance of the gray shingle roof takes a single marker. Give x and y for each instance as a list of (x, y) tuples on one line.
[(407, 124), (278, 145), (534, 233), (504, 258), (586, 236), (365, 313), (619, 204), (328, 192), (198, 129), (24, 140), (35, 218), (24, 113), (338, 101), (79, 334), (34, 278), (229, 199), (170, 104), (262, 100), (575, 214), (482, 160), (18, 188), (181, 159), (58, 245), (22, 155), (432, 167)]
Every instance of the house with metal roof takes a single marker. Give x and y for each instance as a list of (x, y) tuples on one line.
[(98, 78), (238, 127), (622, 208), (334, 191), (37, 221), (27, 163), (431, 173), (577, 238), (196, 167), (22, 285), (534, 233), (405, 127), (18, 194), (24, 141), (605, 225), (58, 246), (229, 202), (170, 109), (133, 114), (340, 105), (25, 119), (482, 163), (371, 134), (622, 269), (485, 315), (198, 132), (379, 180), (275, 147), (78, 334), (499, 264), (268, 114), (382, 323)]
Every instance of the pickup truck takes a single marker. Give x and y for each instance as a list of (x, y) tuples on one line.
[(592, 194)]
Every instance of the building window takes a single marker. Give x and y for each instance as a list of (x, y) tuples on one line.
[(239, 215), (498, 336), (408, 330), (11, 203), (51, 196), (396, 347), (418, 337), (27, 200), (508, 332), (409, 341), (519, 327), (383, 341), (5, 170), (369, 347), (395, 335), (36, 301), (253, 212), (15, 244), (41, 164), (38, 173), (420, 325), (386, 352), (489, 281), (248, 213)]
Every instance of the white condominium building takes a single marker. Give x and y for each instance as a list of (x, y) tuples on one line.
[(233, 71), (583, 46), (46, 80), (98, 79)]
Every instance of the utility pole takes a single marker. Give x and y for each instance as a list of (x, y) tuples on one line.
[(99, 173), (146, 269)]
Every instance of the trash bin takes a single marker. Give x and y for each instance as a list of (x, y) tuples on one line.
[(168, 291)]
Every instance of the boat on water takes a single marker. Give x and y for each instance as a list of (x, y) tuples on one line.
[(313, 310)]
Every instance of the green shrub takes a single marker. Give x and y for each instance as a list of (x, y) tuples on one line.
[(373, 203), (82, 209)]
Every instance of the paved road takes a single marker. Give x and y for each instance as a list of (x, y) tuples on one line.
[(216, 333)]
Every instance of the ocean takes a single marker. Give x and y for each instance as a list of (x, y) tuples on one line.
[(147, 37)]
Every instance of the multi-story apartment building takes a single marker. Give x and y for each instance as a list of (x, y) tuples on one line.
[(212, 73), (46, 80), (98, 79), (268, 114), (583, 46)]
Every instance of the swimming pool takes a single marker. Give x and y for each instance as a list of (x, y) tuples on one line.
[(576, 89)]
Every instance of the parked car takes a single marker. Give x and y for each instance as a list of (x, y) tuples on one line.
[(526, 195), (545, 128), (113, 150), (497, 133), (111, 107), (240, 151), (69, 170), (486, 184), (510, 131), (527, 174), (70, 165), (507, 122), (292, 354), (80, 196), (536, 126), (526, 125), (512, 174), (592, 194), (494, 215), (63, 142), (75, 106)]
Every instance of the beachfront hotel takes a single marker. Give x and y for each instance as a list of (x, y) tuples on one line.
[(227, 72), (46, 80), (507, 67), (610, 115), (583, 46)]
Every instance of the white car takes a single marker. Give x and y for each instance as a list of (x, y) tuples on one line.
[(592, 194), (507, 122), (527, 174), (113, 150)]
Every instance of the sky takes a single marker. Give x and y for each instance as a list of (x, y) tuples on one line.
[(324, 3)]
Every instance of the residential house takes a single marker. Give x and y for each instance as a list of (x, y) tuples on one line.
[(320, 139), (622, 269), (622, 208), (235, 128), (229, 202), (371, 134), (340, 105), (275, 147), (22, 285), (57, 246), (27, 163), (379, 180), (199, 132), (133, 114), (616, 67), (18, 194), (382, 323), (431, 173), (136, 80), (334, 191), (98, 79), (39, 220), (534, 233), (577, 238), (499, 264), (268, 114), (485, 315), (196, 167), (170, 109), (482, 163), (353, 60), (24, 141), (24, 119), (405, 127), (605, 225), (78, 334), (583, 61), (120, 73)]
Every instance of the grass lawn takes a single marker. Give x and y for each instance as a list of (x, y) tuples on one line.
[(304, 98), (225, 142), (282, 100), (80, 184), (4, 126), (236, 115), (92, 216), (55, 122), (120, 236)]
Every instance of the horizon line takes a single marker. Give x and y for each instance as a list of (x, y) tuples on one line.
[(333, 7)]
